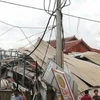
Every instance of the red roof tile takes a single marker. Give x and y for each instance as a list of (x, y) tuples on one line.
[(53, 42), (72, 42)]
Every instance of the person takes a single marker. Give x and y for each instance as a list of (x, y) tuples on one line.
[(96, 96), (86, 96), (17, 95)]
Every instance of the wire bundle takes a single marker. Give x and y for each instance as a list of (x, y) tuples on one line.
[(51, 13)]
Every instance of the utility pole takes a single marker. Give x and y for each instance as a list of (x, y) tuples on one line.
[(0, 81), (59, 56), (24, 69)]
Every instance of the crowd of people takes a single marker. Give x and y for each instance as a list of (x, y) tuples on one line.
[(88, 97), (20, 95)]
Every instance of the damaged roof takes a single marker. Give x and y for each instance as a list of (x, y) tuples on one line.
[(86, 74), (92, 56)]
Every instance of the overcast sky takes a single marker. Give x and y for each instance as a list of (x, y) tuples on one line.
[(26, 17)]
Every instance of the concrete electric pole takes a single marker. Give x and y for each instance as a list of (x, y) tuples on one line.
[(59, 53)]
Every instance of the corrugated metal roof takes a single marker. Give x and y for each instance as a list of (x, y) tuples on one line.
[(87, 71), (92, 56), (39, 53), (81, 85)]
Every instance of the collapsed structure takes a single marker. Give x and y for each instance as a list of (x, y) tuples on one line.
[(83, 67)]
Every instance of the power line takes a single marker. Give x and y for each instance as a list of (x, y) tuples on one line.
[(54, 9), (78, 27), (42, 35), (35, 7), (32, 36), (25, 36), (28, 6), (27, 39), (6, 31), (64, 5), (14, 26), (21, 5), (29, 43), (35, 34), (20, 26), (68, 4), (46, 10), (49, 4), (32, 41), (48, 43), (82, 18), (33, 27)]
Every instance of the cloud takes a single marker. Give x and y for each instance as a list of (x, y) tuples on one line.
[(20, 16), (87, 30)]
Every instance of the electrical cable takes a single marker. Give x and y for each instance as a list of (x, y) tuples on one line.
[(59, 6), (6, 31), (48, 43), (32, 27), (34, 34), (64, 1), (31, 36), (25, 36), (28, 40), (46, 10), (54, 6), (28, 44), (82, 18), (42, 35), (67, 4), (22, 32), (49, 4), (20, 5), (31, 41), (78, 27), (21, 27), (63, 4)]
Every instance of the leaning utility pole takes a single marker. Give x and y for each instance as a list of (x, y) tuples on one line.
[(59, 57)]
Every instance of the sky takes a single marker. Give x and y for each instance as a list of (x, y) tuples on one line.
[(27, 17)]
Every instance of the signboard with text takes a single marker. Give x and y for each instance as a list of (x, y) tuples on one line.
[(63, 84)]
